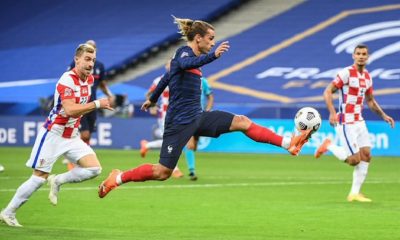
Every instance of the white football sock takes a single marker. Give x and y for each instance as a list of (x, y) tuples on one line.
[(338, 151), (154, 144), (359, 175), (77, 174), (119, 179), (286, 142), (23, 193)]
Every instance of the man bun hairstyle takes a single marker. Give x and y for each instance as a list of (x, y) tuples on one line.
[(188, 28)]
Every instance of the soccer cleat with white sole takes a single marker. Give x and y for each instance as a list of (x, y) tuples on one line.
[(54, 189), (358, 198), (9, 219)]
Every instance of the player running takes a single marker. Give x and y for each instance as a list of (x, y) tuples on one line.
[(60, 136)]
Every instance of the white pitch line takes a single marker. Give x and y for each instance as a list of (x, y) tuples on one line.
[(216, 185)]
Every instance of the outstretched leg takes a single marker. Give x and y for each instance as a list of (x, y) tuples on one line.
[(262, 134), (139, 174)]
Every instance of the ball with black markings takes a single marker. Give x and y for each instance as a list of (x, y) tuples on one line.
[(307, 118)]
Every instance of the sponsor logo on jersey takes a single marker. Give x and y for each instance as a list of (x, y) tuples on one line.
[(67, 92), (84, 90), (184, 54)]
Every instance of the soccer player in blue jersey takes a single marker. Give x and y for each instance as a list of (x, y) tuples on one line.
[(207, 102), (185, 118)]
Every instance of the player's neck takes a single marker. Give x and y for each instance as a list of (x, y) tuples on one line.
[(194, 48), (360, 68), (82, 76)]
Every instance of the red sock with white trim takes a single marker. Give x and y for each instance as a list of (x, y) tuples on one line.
[(140, 174), (263, 134)]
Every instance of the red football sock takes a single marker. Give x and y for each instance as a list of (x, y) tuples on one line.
[(140, 174), (262, 134)]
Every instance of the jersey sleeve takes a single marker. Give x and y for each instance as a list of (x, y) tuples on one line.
[(154, 84), (342, 78), (160, 88), (187, 60), (370, 89), (65, 87)]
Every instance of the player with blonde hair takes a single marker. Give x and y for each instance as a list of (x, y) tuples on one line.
[(60, 136)]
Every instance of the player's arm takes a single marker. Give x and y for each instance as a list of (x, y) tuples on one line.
[(207, 91), (103, 85), (189, 62), (328, 97), (152, 100), (104, 88), (374, 106), (149, 93), (210, 102), (160, 88), (153, 109), (75, 110)]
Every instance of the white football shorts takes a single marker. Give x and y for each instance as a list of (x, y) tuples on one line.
[(49, 147), (353, 136)]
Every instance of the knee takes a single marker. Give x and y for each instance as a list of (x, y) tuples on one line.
[(164, 175), (367, 157), (161, 173), (241, 123), (85, 137), (353, 160), (94, 171), (191, 146)]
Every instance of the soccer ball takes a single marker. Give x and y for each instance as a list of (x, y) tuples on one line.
[(307, 118)]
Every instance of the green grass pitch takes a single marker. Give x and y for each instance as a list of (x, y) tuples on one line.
[(237, 196)]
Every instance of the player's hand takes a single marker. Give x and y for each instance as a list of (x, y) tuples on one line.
[(146, 105), (153, 110), (333, 121), (223, 47), (105, 104), (389, 120)]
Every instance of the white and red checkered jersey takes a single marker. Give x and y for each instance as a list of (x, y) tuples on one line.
[(164, 99), (69, 86), (353, 86)]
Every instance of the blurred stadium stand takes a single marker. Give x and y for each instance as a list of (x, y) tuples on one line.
[(271, 70), (285, 62), (38, 38)]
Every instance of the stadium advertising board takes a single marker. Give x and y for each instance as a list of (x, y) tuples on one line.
[(383, 139), (127, 133)]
